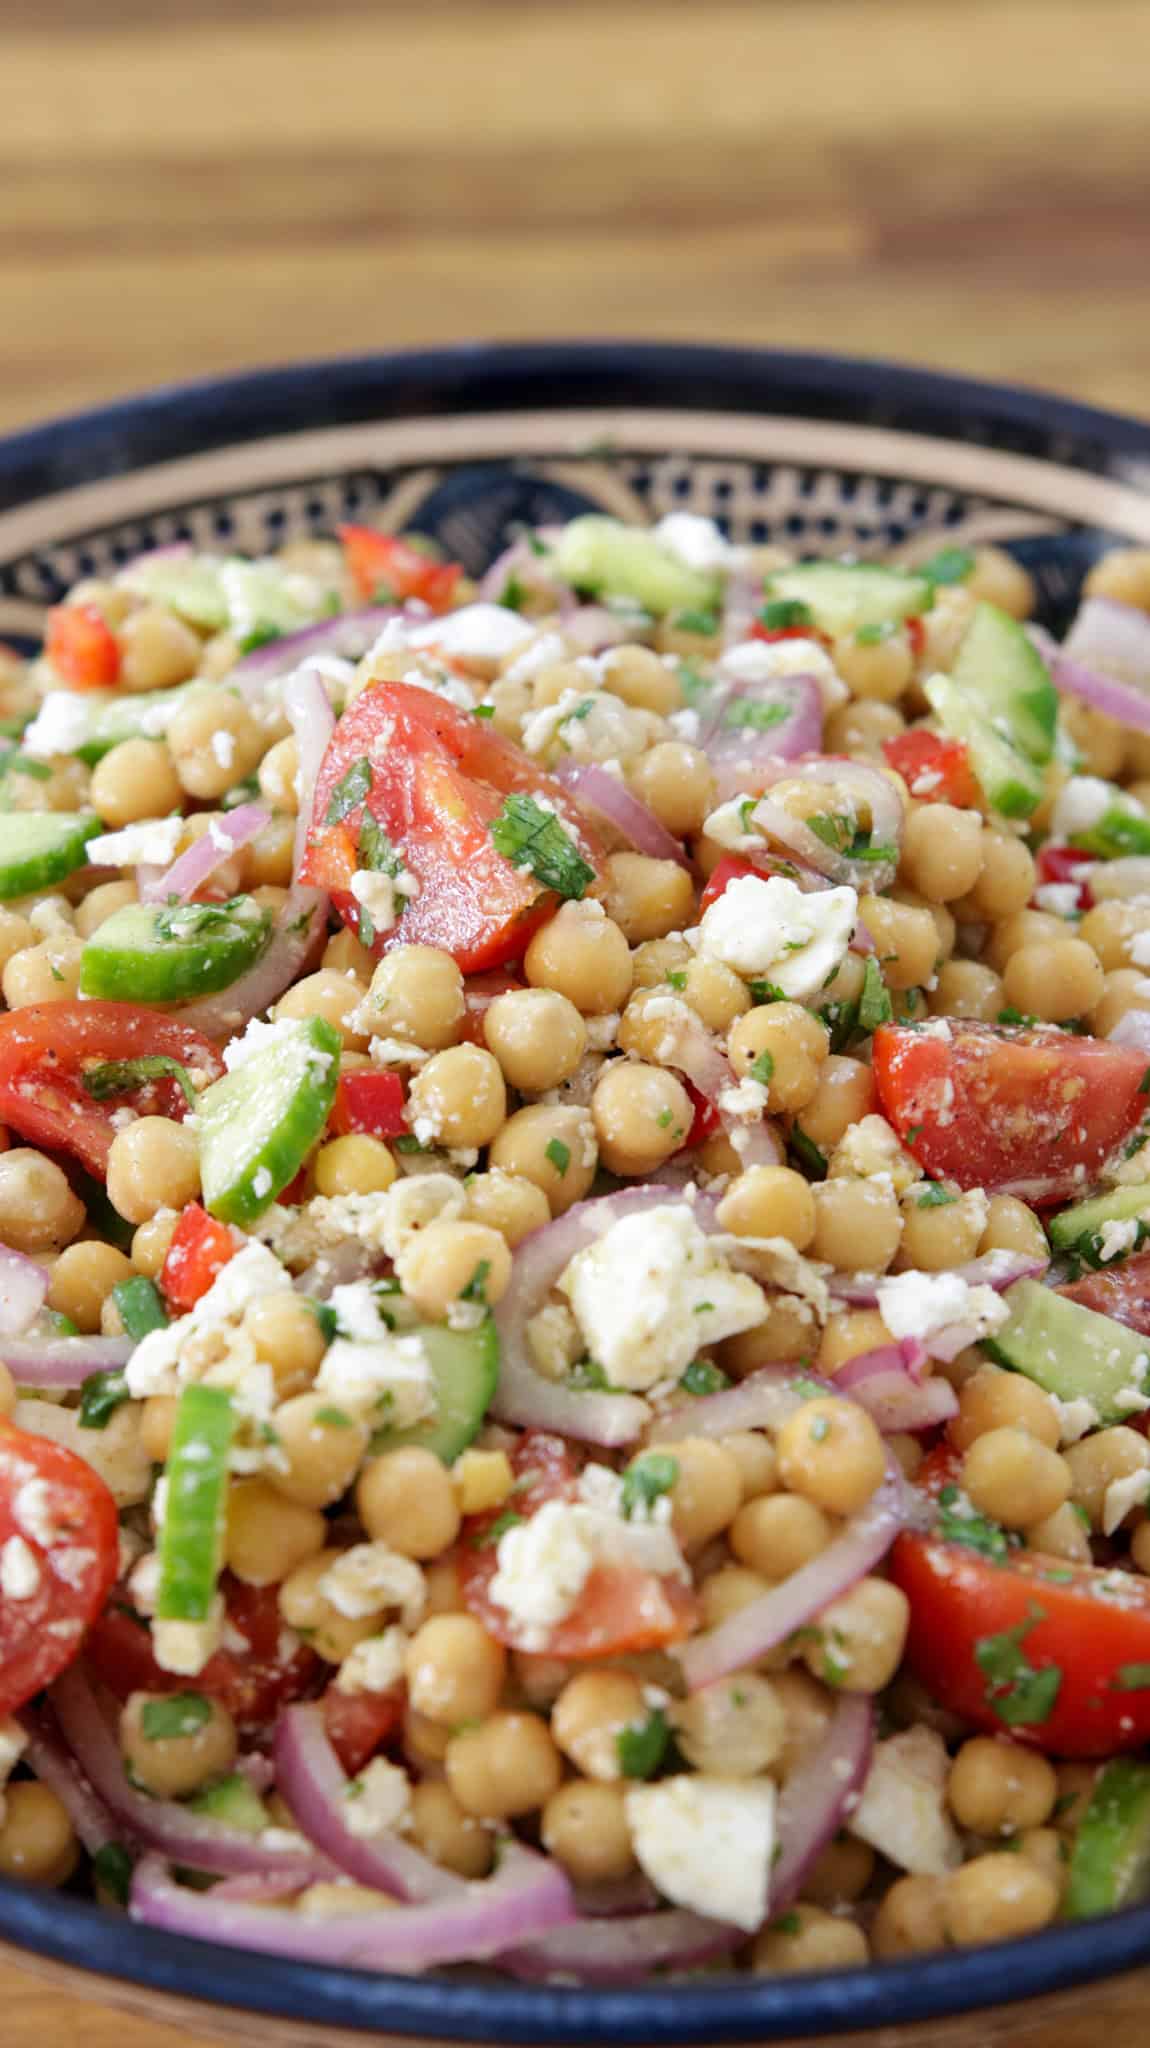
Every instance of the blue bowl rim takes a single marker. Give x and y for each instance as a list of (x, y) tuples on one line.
[(176, 420)]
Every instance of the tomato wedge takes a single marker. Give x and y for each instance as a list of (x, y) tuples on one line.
[(934, 770), (369, 1102), (620, 1608), (1122, 1292), (386, 570), (357, 1723), (1034, 1113), (200, 1248), (82, 647), (59, 1540), (252, 1684), (1067, 865), (47, 1049), (434, 779)]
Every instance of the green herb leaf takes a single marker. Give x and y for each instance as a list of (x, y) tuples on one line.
[(1017, 1018), (349, 791), (874, 1002), (513, 594), (1020, 1694), (783, 612), (558, 1153), (762, 1068), (531, 837), (260, 636), (499, 1527), (641, 1748), (180, 1713), (766, 992), (335, 1418), (834, 828), (706, 623), (932, 1195), (1131, 1678), (327, 1319), (975, 1532), (100, 1396), (807, 1153), (120, 1077), (14, 763), (483, 711), (693, 683), (647, 1479), (140, 1305), (677, 978), (701, 1377), (406, 1142), (745, 712), (788, 1923), (875, 635), (112, 1869), (476, 1288), (950, 565)]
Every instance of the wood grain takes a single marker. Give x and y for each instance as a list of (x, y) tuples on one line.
[(185, 190)]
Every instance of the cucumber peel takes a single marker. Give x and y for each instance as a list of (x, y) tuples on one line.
[(1078, 1231), (1011, 784), (846, 596), (192, 1536), (1110, 1861), (39, 848), (172, 953), (1000, 668), (1072, 1351), (602, 555), (234, 1801), (465, 1370), (259, 1123)]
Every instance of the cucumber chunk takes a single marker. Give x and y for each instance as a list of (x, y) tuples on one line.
[(1122, 829), (845, 596), (107, 719), (1079, 1230), (170, 953), (1000, 668), (38, 848), (187, 584), (602, 555), (234, 1801), (259, 1123), (465, 1369), (1110, 1861), (1011, 784), (1072, 1351), (192, 1536)]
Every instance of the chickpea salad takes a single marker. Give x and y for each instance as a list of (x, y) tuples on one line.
[(575, 1252)]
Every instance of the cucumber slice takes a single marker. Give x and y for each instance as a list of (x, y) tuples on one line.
[(190, 585), (1110, 1861), (1071, 1351), (1122, 829), (259, 1123), (106, 720), (192, 1536), (845, 596), (1010, 783), (1000, 668), (38, 848), (171, 953), (1079, 1230), (602, 555), (465, 1369), (234, 1801)]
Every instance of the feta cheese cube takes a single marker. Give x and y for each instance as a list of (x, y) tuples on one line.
[(374, 1665), (481, 635), (707, 1843), (902, 1808), (697, 542), (1082, 802), (186, 1646), (378, 1802), (922, 1304), (769, 929), (151, 841), (369, 1579)]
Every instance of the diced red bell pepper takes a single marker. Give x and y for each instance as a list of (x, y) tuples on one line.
[(201, 1247), (386, 569), (370, 1102), (82, 647)]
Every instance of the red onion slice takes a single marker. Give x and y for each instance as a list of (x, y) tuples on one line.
[(225, 836), (349, 635), (609, 801), (819, 1795), (519, 562), (188, 1838), (311, 1780), (1112, 637), (883, 1383), (687, 1045), (526, 1898), (764, 1400), (1074, 677), (62, 1361), (998, 1269), (745, 757), (624, 1951), (23, 1287), (58, 1770), (595, 628), (870, 794), (742, 602)]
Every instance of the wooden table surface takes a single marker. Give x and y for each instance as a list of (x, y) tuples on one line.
[(190, 188)]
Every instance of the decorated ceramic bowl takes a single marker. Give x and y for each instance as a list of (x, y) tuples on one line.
[(825, 455)]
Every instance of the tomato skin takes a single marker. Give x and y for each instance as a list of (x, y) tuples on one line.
[(369, 1102), (1066, 864), (42, 1634), (1034, 1113), (620, 1607), (82, 647), (384, 568), (935, 770), (200, 1249), (773, 633), (706, 1120), (251, 1684), (43, 1050), (1121, 1291), (725, 871), (959, 1599), (358, 1723), (439, 778)]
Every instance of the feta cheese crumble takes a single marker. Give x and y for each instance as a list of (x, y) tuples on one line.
[(768, 929), (371, 1371), (152, 842), (922, 1304), (707, 1843), (544, 1563), (378, 1802), (902, 1807), (697, 542), (19, 1570)]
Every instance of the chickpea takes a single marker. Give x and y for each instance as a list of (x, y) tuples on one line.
[(993, 1400), (1098, 1461), (537, 1036), (783, 1045), (589, 1716), (1011, 1226), (424, 1742), (156, 651), (452, 1261), (655, 961), (345, 955), (911, 1919), (769, 1201), (96, 907), (677, 783), (507, 1203), (1013, 1478), (831, 1453), (65, 788), (1101, 741), (861, 1637), (942, 851), (135, 780), (157, 1423), (877, 670), (267, 859), (82, 1278), (7, 1391), (939, 1235), (406, 1500), (322, 1454), (844, 1094), (38, 1211), (848, 1333), (554, 1148), (1124, 989), (1045, 1848), (858, 1225), (481, 1480), (777, 1534), (417, 992), (214, 741), (707, 1492), (17, 935), (1061, 1534), (641, 1114), (267, 1536), (787, 1331), (507, 1767), (715, 994), (728, 1591), (584, 955), (1139, 1546), (461, 1096), (584, 1827), (906, 940), (153, 1164), (755, 1457), (279, 775), (441, 1580), (174, 1742), (641, 679), (842, 1874), (452, 1838), (998, 579), (1006, 881), (968, 989), (996, 1787), (648, 898), (734, 1728), (336, 998), (995, 1897), (332, 1635), (285, 1332), (37, 1840), (1124, 574), (807, 1938), (861, 727), (1054, 981), (45, 973), (455, 1670)]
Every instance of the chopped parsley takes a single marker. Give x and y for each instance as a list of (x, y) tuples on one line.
[(407, 1143), (335, 1418), (349, 791), (694, 685), (704, 622), (762, 1068), (932, 1195), (641, 1747), (834, 828), (874, 1002), (757, 717), (781, 613), (327, 1319), (677, 977), (974, 1531), (513, 593), (476, 1288), (789, 1923), (261, 635), (950, 565), (558, 1153), (766, 992), (807, 1153), (1131, 1678), (875, 635), (1144, 1083), (100, 1396), (645, 1481), (499, 1527), (120, 1077), (14, 763), (1018, 1018), (180, 1713), (112, 1869), (701, 1377), (1018, 1692), (531, 837)]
